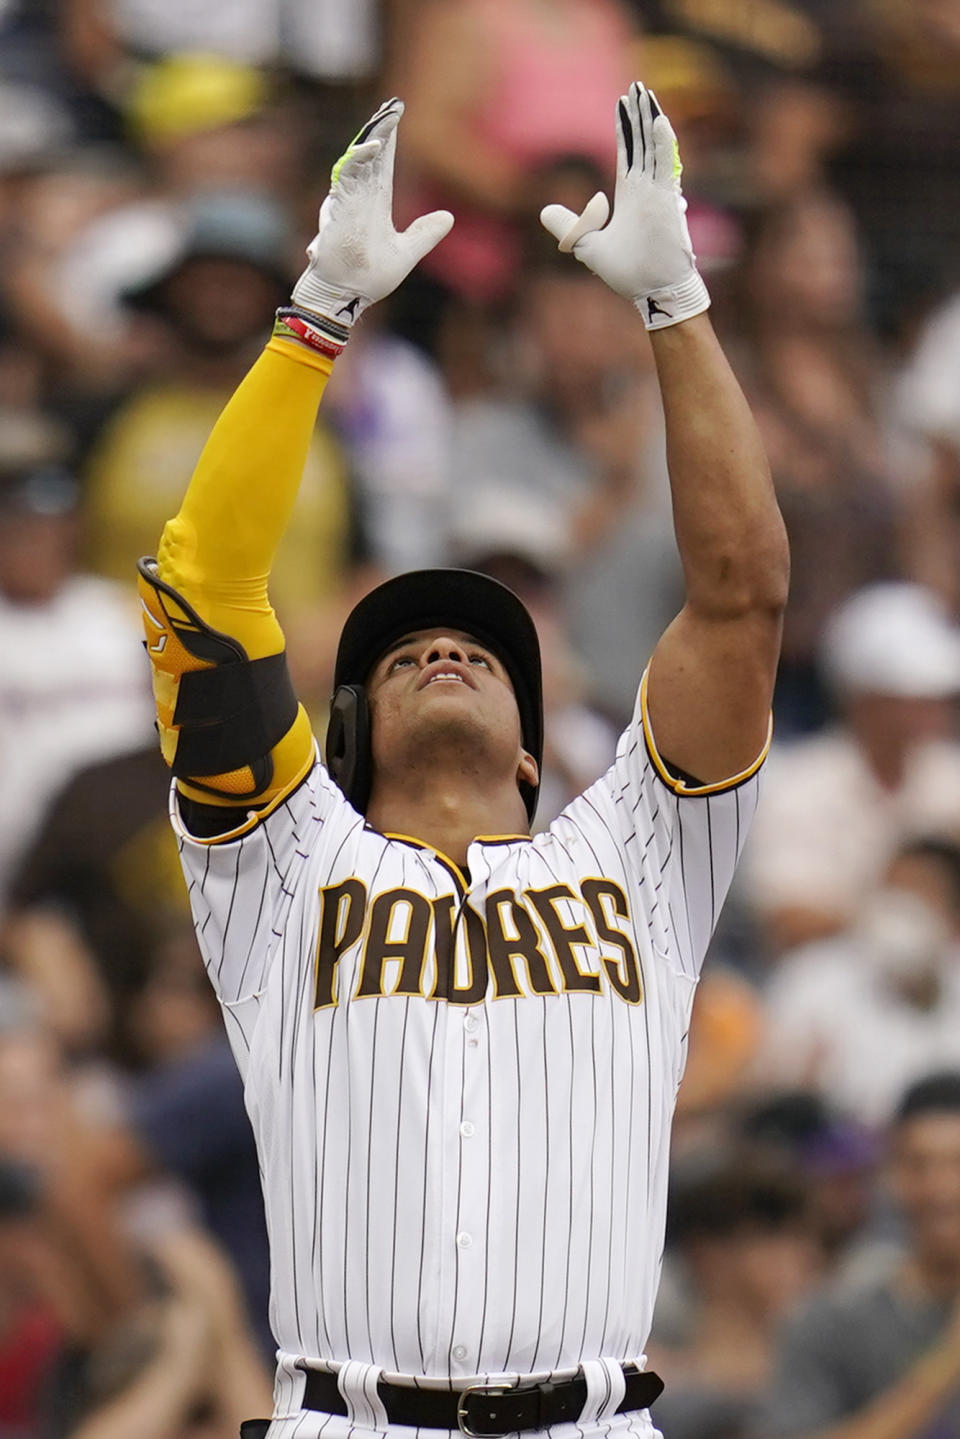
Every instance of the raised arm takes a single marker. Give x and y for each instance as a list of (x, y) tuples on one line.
[(230, 727), (708, 689)]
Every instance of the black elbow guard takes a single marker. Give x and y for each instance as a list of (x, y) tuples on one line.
[(219, 713)]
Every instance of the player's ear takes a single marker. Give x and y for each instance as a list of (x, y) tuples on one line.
[(528, 770)]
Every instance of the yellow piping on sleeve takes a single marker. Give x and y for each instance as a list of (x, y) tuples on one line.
[(254, 817), (680, 786)]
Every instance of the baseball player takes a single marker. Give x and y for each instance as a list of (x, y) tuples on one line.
[(461, 1045)]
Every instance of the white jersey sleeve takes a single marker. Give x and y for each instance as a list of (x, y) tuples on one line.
[(241, 886), (679, 840)]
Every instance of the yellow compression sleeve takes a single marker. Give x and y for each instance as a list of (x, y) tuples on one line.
[(218, 550)]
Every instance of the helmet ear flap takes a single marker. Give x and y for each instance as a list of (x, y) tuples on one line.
[(349, 759)]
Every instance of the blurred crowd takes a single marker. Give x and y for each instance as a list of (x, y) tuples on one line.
[(161, 164)]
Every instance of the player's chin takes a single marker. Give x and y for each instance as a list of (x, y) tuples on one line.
[(451, 698), (454, 727)]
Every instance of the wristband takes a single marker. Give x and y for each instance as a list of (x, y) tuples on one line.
[(673, 303), (315, 332)]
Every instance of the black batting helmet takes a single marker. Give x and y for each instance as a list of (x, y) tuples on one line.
[(424, 600)]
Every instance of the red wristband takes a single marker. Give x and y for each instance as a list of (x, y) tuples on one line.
[(324, 336)]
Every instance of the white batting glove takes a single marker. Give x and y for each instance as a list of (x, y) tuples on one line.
[(356, 256), (645, 252)]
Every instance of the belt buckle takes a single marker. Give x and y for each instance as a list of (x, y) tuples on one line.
[(462, 1401)]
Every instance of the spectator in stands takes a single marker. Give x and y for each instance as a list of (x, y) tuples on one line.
[(837, 805), (929, 403), (80, 1287), (181, 1366), (95, 903), (738, 1230), (30, 1327), (37, 1294), (883, 1357), (67, 1275), (901, 81), (177, 1363), (818, 384), (99, 923), (726, 1030), (488, 87), (775, 53), (72, 683), (58, 307), (97, 220), (816, 1138), (203, 121), (226, 270), (389, 408), (184, 1117), (897, 971), (335, 41), (100, 928), (45, 1131)]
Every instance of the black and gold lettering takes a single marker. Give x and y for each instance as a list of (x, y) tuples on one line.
[(495, 941), (563, 939), (337, 934), (524, 944), (410, 948), (445, 927), (624, 975)]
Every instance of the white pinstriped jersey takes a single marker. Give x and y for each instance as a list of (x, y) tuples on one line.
[(462, 1084)]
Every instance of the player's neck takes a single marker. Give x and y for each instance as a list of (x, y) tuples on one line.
[(448, 817)]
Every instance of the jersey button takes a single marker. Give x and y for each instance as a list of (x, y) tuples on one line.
[(459, 1351), (464, 1240), (467, 1130), (471, 1024)]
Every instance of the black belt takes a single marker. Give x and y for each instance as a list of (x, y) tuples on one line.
[(483, 1410)]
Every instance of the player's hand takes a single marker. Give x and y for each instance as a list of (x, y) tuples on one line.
[(357, 256), (644, 253)]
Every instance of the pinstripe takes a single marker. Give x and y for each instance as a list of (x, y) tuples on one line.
[(428, 1114), (683, 878), (321, 1169), (713, 883), (486, 1273), (298, 1002), (569, 1233), (323, 1344), (369, 1168), (294, 1000), (254, 936), (456, 1209), (233, 896), (396, 1187), (346, 1203), (631, 1090), (515, 1267), (613, 1170), (231, 1019), (546, 1181)]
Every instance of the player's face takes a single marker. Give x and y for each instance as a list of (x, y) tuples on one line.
[(444, 688), (926, 1179)]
